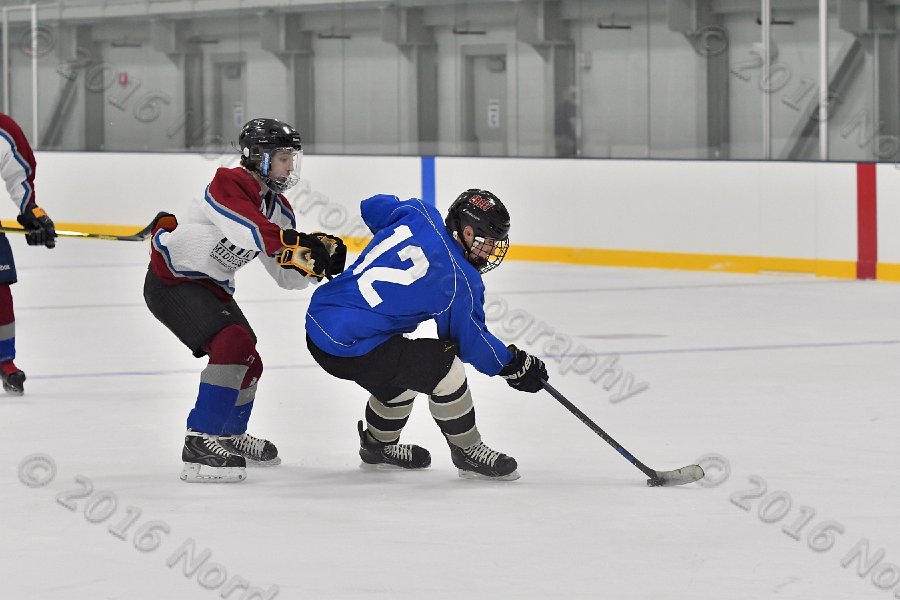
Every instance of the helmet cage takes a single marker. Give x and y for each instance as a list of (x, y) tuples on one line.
[(485, 254)]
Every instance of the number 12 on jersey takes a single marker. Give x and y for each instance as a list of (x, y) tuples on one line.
[(406, 276)]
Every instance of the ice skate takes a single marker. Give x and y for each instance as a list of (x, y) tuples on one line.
[(257, 451), (13, 382), (376, 455), (207, 461), (478, 461)]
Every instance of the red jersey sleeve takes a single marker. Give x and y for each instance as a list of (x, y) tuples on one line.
[(233, 201)]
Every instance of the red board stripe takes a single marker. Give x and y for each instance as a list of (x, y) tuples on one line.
[(866, 221)]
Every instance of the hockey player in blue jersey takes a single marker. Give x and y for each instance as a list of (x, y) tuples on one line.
[(416, 268)]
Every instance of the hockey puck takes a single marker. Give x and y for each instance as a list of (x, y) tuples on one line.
[(653, 482)]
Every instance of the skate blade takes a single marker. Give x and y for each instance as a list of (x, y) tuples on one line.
[(386, 467), (262, 464), (194, 473), (472, 475)]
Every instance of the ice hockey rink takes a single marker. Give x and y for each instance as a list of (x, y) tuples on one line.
[(784, 385)]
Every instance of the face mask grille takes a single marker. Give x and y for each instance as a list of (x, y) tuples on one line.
[(485, 255)]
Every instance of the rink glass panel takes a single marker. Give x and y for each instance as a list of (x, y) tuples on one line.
[(602, 78)]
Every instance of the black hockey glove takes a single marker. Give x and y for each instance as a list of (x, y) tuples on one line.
[(41, 231), (337, 251), (303, 252), (525, 372)]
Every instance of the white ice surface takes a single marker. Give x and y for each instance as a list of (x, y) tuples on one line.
[(793, 380)]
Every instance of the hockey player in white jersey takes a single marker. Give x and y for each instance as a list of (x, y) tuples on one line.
[(17, 168), (242, 215)]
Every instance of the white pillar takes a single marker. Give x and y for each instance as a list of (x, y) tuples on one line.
[(823, 80), (766, 77), (34, 77)]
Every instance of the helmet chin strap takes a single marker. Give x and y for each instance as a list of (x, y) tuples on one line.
[(462, 242), (281, 185), (266, 181), (475, 261)]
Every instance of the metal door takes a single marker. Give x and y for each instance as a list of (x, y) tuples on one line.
[(487, 109), (229, 99)]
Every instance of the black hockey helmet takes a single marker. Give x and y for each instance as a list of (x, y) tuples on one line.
[(259, 140), (485, 214)]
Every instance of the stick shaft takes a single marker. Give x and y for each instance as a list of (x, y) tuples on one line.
[(596, 429), (65, 233), (139, 236)]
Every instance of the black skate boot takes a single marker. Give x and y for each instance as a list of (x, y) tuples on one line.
[(257, 451), (390, 456), (478, 461), (14, 382), (205, 460)]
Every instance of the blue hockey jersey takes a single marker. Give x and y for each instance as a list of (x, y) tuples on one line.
[(411, 271)]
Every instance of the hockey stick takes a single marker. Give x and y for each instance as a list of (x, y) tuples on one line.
[(688, 474), (140, 236)]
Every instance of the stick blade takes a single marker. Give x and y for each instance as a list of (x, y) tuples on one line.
[(688, 474), (144, 233)]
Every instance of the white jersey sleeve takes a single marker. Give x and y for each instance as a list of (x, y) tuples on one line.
[(288, 279), (16, 172)]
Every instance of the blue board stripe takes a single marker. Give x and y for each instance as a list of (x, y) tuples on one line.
[(428, 185)]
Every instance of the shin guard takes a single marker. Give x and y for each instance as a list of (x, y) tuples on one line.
[(227, 384)]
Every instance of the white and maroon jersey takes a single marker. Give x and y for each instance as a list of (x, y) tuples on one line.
[(236, 220), (17, 164)]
